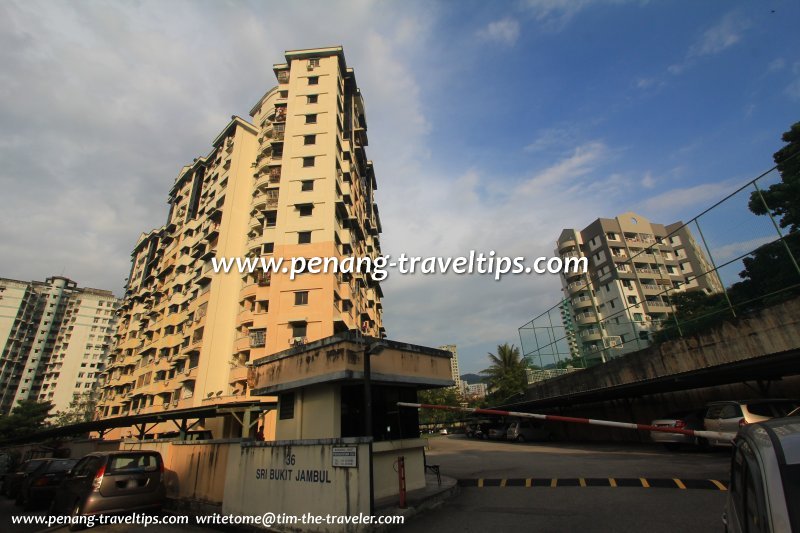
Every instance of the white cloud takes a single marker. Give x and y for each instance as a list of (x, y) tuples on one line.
[(776, 65), (557, 13), (724, 34), (648, 181), (725, 253), (679, 200), (505, 31)]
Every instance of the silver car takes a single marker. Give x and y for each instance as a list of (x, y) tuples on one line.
[(729, 416), (678, 420), (765, 478), (527, 430)]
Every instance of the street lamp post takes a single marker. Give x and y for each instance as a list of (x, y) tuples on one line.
[(372, 349)]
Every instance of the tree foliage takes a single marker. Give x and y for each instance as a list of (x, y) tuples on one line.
[(29, 416), (507, 376), (770, 269), (437, 418), (81, 409)]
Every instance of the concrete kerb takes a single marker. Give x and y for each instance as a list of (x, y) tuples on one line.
[(417, 501)]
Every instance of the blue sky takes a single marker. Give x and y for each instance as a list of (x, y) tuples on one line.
[(492, 126)]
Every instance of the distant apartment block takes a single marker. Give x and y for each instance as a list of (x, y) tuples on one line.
[(634, 267), (293, 181), (476, 391), (55, 338), (454, 371)]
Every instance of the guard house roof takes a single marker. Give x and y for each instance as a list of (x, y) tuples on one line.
[(341, 358)]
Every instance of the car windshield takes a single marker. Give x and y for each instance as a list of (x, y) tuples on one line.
[(30, 466), (61, 465), (772, 409), (125, 463)]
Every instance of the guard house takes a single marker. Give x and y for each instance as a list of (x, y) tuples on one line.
[(324, 386)]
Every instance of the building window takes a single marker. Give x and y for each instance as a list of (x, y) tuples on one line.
[(307, 185), (306, 210), (632, 300), (312, 98), (313, 80), (258, 337), (268, 247), (270, 219), (304, 237), (309, 139), (299, 329), (308, 161), (313, 62), (301, 298), (286, 410), (311, 119)]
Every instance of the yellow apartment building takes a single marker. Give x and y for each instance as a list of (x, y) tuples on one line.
[(294, 181)]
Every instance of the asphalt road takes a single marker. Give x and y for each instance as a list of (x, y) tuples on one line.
[(576, 487)]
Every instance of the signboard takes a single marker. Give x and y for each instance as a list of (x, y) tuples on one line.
[(345, 456)]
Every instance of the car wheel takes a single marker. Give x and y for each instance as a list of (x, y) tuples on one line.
[(520, 439), (75, 524)]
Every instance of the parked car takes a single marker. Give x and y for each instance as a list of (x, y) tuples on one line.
[(13, 480), (497, 431), (679, 420), (729, 416), (527, 430), (765, 478), (39, 487), (112, 482)]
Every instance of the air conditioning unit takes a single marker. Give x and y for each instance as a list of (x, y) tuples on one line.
[(298, 341)]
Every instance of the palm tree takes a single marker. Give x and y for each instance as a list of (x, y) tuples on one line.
[(507, 376)]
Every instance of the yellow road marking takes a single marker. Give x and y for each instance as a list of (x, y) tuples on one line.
[(528, 482), (582, 482), (679, 483), (719, 485), (554, 482), (502, 482), (645, 484), (612, 482), (480, 482)]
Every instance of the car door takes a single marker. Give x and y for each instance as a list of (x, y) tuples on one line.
[(730, 416), (131, 474), (711, 422), (78, 484)]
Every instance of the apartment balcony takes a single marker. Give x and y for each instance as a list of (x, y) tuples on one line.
[(244, 317), (248, 291), (577, 286), (275, 174), (283, 76), (652, 288), (582, 302), (656, 306), (590, 335), (189, 374), (238, 374), (280, 114), (587, 318), (565, 246), (241, 344)]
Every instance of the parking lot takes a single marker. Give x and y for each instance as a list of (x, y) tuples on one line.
[(570, 487)]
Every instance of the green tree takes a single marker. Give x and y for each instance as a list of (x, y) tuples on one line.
[(27, 417), (436, 418), (770, 269), (81, 409), (507, 376)]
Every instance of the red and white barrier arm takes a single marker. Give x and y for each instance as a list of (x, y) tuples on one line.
[(572, 420)]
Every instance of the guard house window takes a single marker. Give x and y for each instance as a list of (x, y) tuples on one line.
[(307, 185), (313, 80), (309, 139), (286, 410), (312, 98), (301, 298), (308, 161), (304, 237), (311, 118), (306, 210)]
